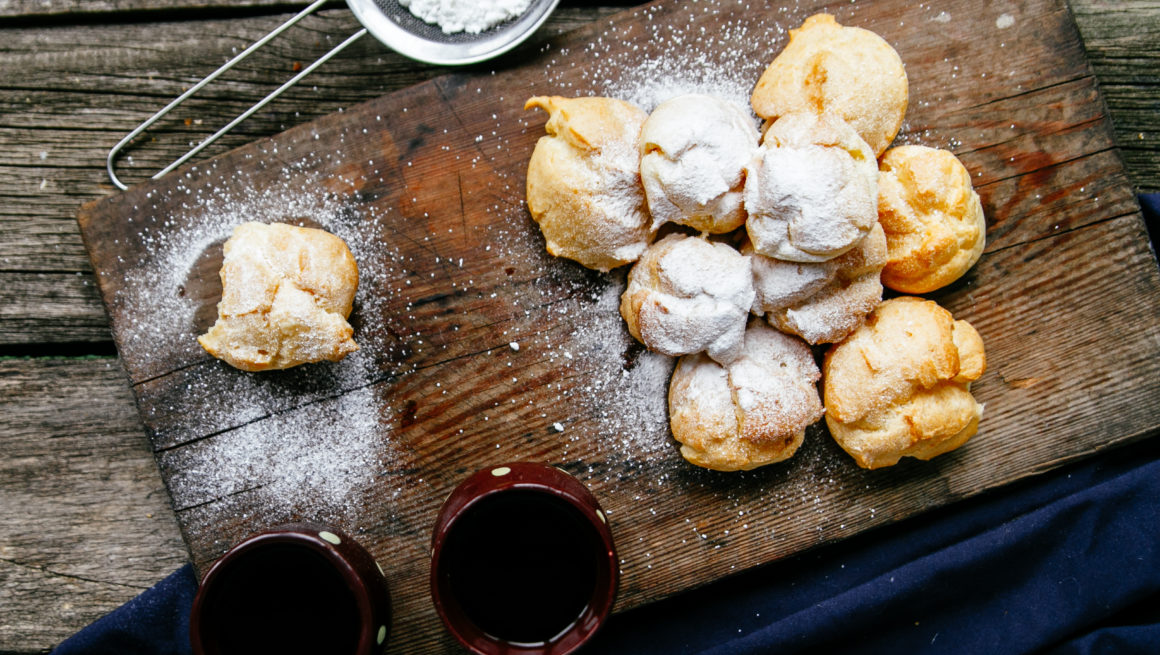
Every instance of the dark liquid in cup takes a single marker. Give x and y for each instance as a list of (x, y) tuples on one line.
[(522, 565), (286, 598)]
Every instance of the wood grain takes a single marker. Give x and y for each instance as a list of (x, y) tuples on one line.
[(461, 274), (74, 8), (1120, 40), (68, 309), (85, 522)]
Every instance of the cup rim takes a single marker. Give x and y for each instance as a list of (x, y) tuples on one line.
[(563, 486), (309, 536)]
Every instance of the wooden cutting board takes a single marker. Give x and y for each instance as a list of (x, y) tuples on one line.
[(478, 348)]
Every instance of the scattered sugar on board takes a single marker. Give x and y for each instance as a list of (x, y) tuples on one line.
[(621, 404), (297, 443), (302, 462), (649, 61)]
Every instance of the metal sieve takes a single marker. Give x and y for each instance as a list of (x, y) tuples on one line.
[(392, 24)]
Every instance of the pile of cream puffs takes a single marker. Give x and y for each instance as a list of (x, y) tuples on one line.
[(750, 246)]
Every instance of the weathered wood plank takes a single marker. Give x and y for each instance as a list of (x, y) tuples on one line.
[(71, 8), (39, 235), (85, 522), (1122, 40), (68, 309)]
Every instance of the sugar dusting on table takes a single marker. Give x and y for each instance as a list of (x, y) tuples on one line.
[(648, 62), (297, 442)]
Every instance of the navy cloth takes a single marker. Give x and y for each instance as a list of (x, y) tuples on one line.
[(1065, 563), (1068, 562), (156, 622)]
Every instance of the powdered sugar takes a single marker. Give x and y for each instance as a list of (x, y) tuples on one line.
[(795, 201), (694, 149), (615, 405), (622, 198), (650, 62), (687, 294), (778, 283), (626, 396), (303, 461), (299, 442), (471, 16), (833, 304), (773, 382), (833, 313)]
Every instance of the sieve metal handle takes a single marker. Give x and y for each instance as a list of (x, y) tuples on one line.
[(209, 78)]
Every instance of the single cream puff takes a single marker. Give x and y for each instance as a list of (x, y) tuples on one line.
[(811, 191), (751, 412), (829, 68), (935, 229), (583, 186), (694, 149), (286, 294), (900, 385), (688, 294)]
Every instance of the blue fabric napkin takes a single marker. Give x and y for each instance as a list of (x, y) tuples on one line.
[(156, 622), (1067, 562)]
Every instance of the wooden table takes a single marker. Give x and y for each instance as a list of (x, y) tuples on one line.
[(85, 522)]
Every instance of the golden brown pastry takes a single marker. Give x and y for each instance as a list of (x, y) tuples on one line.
[(694, 149), (688, 294), (812, 189), (750, 413), (822, 302), (846, 71), (286, 294), (935, 229), (584, 185), (900, 385)]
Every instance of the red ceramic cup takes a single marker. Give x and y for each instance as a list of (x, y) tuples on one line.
[(522, 562), (295, 588)]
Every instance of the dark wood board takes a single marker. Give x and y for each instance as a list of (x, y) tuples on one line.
[(1066, 297)]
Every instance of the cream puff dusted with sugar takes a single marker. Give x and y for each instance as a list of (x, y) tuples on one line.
[(694, 149), (822, 302), (286, 294), (849, 72), (901, 384), (751, 412), (688, 294), (935, 229), (811, 190), (584, 185)]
